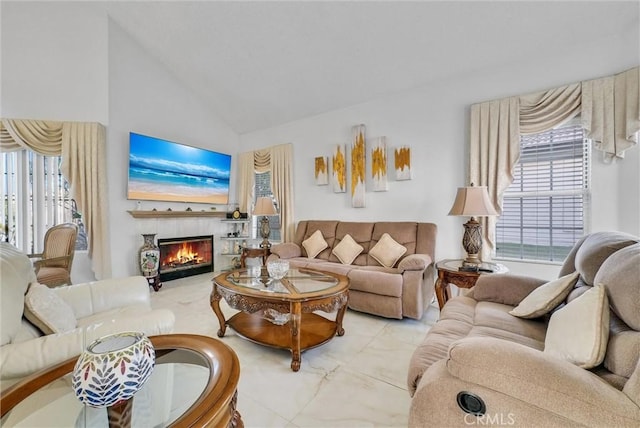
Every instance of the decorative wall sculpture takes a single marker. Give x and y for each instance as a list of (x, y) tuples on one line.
[(402, 161), (379, 164), (322, 170), (358, 162), (339, 169)]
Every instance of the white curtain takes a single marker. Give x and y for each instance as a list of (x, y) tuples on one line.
[(246, 181), (611, 112), (282, 186), (494, 150), (82, 148)]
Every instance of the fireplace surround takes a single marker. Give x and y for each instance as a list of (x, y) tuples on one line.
[(185, 256)]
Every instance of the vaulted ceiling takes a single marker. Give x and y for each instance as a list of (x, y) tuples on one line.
[(261, 64)]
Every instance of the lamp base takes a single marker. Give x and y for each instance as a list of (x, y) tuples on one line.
[(472, 242), (119, 414), (265, 231)]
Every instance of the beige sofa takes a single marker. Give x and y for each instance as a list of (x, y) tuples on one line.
[(403, 290), (478, 348), (88, 311)]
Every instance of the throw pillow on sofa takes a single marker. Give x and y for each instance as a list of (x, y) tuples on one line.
[(545, 298), (579, 331), (387, 251), (48, 311), (314, 244), (347, 250)]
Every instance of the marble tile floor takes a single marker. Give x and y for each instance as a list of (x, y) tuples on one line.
[(357, 380)]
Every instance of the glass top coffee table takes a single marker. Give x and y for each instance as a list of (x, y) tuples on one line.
[(280, 313), (194, 383)]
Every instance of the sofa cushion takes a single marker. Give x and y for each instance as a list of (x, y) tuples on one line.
[(314, 244), (326, 227), (578, 332), (347, 250), (387, 251), (16, 272), (48, 311), (546, 297), (376, 282), (361, 233), (595, 249)]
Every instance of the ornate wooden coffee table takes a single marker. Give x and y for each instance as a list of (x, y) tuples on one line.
[(280, 313)]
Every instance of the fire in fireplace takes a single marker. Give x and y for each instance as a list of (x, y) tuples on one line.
[(181, 257)]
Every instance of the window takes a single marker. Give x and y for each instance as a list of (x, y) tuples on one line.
[(263, 188), (35, 197), (545, 208)]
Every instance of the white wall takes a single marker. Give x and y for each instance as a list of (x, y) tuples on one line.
[(68, 61), (433, 120), (144, 97), (54, 62)]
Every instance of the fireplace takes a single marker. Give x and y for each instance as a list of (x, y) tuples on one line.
[(181, 257)]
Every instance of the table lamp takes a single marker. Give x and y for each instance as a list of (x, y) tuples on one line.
[(472, 201), (111, 370), (264, 207)]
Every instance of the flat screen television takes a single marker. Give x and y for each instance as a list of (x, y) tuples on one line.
[(161, 170)]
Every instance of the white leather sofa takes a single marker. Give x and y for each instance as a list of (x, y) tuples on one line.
[(99, 308)]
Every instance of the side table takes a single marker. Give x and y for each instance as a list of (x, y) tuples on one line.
[(449, 273), (254, 253)]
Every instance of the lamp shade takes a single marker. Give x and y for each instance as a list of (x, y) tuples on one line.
[(264, 206), (473, 201), (113, 368)]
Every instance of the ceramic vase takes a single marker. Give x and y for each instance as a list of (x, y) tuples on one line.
[(113, 368), (149, 260)]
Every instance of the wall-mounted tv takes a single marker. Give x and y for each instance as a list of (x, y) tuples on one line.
[(161, 170)]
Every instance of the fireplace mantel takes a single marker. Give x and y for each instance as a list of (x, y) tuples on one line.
[(174, 214)]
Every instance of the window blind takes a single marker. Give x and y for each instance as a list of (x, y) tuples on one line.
[(545, 208)]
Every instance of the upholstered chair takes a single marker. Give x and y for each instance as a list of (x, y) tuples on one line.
[(53, 265)]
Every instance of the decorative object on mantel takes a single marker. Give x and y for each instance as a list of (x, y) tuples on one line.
[(472, 201), (111, 370), (402, 162), (149, 261), (339, 168), (358, 165), (379, 164), (265, 207), (322, 170)]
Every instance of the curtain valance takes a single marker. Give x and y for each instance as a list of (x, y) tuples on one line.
[(82, 148), (610, 113)]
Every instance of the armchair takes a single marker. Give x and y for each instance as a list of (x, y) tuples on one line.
[(53, 266), (89, 310)]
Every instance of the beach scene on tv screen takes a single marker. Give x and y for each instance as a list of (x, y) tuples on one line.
[(161, 170)]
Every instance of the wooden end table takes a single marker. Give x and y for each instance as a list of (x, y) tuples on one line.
[(449, 273), (249, 253), (280, 313)]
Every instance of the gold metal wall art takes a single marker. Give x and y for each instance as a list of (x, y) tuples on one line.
[(402, 162), (339, 169), (358, 164), (379, 164), (322, 170)]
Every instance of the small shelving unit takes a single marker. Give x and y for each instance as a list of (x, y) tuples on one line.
[(237, 237)]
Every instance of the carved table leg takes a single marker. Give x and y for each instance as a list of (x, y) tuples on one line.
[(215, 305), (340, 317), (441, 290), (296, 319)]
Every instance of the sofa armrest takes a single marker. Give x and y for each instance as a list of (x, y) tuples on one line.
[(545, 382), (414, 262), (21, 359), (92, 297), (507, 289), (286, 250)]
